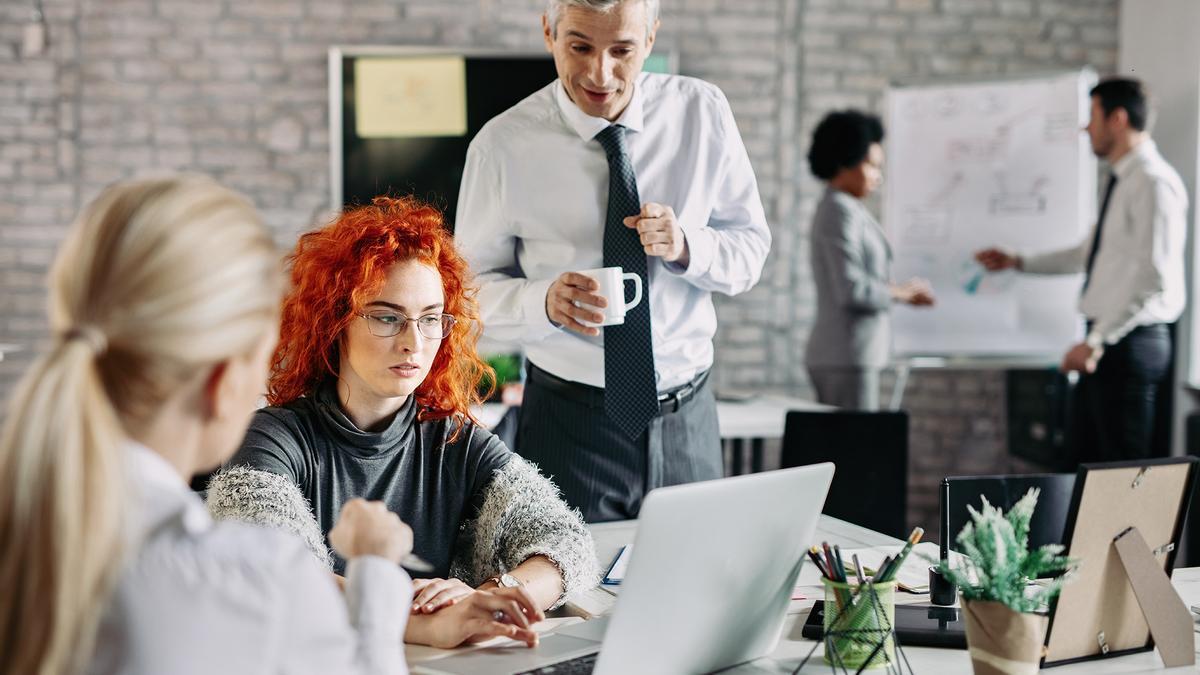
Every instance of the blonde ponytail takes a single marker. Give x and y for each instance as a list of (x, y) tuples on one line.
[(157, 280)]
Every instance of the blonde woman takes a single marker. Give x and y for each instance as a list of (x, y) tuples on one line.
[(164, 304)]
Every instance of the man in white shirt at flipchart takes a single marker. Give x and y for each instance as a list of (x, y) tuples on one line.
[(1133, 286), (608, 166)]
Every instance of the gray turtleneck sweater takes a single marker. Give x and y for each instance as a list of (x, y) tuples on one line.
[(476, 509)]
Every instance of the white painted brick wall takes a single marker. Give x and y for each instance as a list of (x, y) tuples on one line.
[(237, 88)]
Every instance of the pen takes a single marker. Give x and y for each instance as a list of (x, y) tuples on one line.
[(413, 562), (841, 565), (879, 570), (833, 575), (858, 570), (944, 550), (899, 560)]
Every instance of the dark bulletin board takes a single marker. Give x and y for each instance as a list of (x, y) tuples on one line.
[(430, 168)]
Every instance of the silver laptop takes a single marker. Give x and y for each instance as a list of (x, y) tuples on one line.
[(708, 583)]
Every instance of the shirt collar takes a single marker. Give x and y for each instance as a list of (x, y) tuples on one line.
[(586, 126), (161, 492), (1139, 155)]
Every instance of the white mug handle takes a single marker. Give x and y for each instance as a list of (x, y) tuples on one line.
[(637, 289)]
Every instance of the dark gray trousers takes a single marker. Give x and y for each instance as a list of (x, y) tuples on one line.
[(605, 474)]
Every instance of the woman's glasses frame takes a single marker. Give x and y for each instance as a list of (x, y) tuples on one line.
[(386, 323)]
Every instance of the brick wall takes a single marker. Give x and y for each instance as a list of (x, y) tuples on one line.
[(237, 89)]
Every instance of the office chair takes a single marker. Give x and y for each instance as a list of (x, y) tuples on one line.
[(870, 450), (1049, 518)]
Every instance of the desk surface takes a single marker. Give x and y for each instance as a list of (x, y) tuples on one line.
[(792, 648)]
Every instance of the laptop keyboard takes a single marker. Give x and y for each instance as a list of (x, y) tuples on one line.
[(582, 665)]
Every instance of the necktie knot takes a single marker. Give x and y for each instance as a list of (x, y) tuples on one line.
[(612, 139)]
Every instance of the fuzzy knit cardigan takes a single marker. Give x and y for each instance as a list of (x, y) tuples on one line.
[(521, 516)]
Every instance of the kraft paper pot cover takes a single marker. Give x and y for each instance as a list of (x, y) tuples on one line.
[(1003, 641)]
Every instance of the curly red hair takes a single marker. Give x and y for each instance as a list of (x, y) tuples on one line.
[(337, 269)]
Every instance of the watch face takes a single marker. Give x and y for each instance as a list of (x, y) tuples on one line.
[(509, 581)]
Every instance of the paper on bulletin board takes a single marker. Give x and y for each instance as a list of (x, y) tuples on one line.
[(407, 97)]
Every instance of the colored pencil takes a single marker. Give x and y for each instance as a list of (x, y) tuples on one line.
[(830, 561), (812, 553)]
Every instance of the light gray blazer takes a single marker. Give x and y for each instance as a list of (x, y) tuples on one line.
[(851, 258)]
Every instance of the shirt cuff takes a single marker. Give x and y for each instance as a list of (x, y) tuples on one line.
[(701, 246), (378, 594), (533, 308)]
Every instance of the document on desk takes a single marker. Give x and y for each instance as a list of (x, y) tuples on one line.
[(616, 571), (914, 573)]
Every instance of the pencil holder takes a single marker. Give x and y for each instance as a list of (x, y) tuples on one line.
[(858, 625)]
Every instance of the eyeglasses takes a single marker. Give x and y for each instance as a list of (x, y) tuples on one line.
[(386, 324)]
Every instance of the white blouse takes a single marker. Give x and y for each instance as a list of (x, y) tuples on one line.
[(198, 597)]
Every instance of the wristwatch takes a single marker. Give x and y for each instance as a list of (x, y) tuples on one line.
[(506, 581)]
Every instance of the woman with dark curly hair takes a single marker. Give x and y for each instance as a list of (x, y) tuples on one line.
[(851, 260), (369, 397)]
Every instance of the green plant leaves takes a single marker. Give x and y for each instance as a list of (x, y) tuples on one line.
[(997, 564)]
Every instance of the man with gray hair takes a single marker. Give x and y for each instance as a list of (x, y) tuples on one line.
[(608, 167)]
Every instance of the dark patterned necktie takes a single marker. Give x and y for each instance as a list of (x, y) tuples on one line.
[(630, 392), (1087, 277)]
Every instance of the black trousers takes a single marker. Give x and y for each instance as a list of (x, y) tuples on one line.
[(601, 471), (1116, 406)]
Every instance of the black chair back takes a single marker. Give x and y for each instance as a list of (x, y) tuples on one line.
[(870, 450)]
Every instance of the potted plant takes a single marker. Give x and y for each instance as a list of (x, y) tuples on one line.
[(506, 370), (1005, 612)]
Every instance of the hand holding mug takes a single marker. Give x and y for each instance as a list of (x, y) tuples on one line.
[(585, 301), (611, 286), (570, 301)]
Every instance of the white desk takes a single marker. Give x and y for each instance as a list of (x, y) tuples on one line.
[(756, 420), (609, 537), (792, 648)]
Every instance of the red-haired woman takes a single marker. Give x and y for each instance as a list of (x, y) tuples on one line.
[(369, 397)]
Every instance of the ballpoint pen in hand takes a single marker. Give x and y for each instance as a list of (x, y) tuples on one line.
[(414, 563)]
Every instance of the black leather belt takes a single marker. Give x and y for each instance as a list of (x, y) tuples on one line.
[(668, 401)]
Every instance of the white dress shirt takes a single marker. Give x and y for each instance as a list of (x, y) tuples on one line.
[(199, 597), (1137, 278), (533, 205)]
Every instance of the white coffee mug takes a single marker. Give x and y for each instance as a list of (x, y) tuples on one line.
[(612, 288)]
